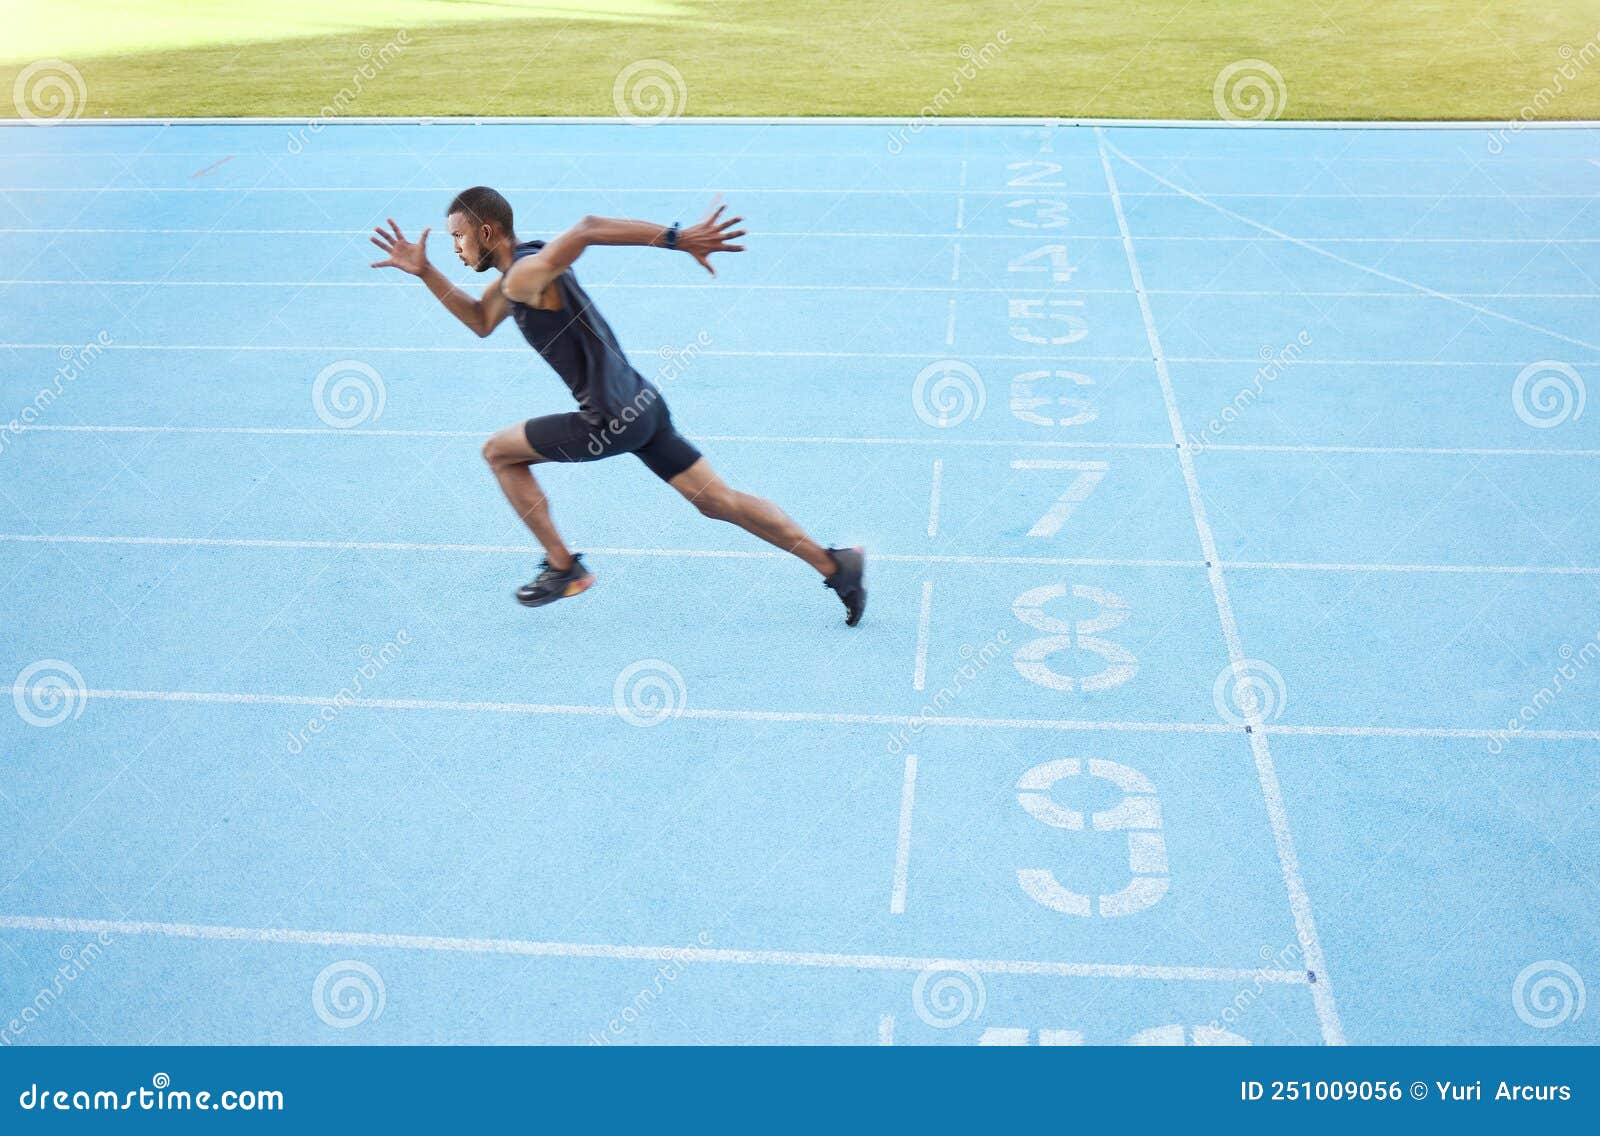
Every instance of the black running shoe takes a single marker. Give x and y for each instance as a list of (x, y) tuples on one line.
[(550, 585), (847, 581)]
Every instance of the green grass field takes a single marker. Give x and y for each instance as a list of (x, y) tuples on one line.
[(1357, 59)]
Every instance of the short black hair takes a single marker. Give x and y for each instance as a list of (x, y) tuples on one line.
[(483, 205)]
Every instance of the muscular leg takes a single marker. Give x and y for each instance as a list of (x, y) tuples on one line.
[(511, 458), (713, 497)]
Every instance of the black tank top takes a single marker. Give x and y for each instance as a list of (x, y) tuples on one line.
[(579, 346)]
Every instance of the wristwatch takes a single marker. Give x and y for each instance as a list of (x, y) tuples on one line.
[(672, 236)]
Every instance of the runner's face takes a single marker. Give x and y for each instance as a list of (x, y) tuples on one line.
[(470, 246)]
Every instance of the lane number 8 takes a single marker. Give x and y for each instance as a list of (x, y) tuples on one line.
[(1031, 658)]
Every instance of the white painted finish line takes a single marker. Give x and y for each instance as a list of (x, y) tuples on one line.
[(1266, 771), (652, 954)]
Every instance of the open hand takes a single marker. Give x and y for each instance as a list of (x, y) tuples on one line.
[(405, 255), (709, 236)]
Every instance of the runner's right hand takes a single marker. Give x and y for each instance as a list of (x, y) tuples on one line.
[(403, 254)]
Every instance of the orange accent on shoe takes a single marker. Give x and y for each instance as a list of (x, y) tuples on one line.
[(577, 586)]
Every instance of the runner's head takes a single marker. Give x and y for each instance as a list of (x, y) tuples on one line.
[(479, 220)]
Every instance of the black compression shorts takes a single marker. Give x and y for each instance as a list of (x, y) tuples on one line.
[(644, 430)]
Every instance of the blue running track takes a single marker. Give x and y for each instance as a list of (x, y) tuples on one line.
[(1230, 494)]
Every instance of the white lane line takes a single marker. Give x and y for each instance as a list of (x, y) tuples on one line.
[(725, 285), (902, 236), (933, 497), (834, 719), (955, 123), (766, 554), (653, 954), (1171, 191), (610, 711), (1433, 451), (1451, 163), (1463, 569), (902, 854), (522, 550), (1266, 772), (719, 125), (1252, 360), (765, 439), (886, 1029), (815, 440), (919, 677), (858, 191), (1309, 246), (524, 349)]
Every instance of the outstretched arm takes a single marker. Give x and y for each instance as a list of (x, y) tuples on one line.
[(482, 315), (531, 275)]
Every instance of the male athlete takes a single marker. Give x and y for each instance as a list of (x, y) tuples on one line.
[(619, 410)]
